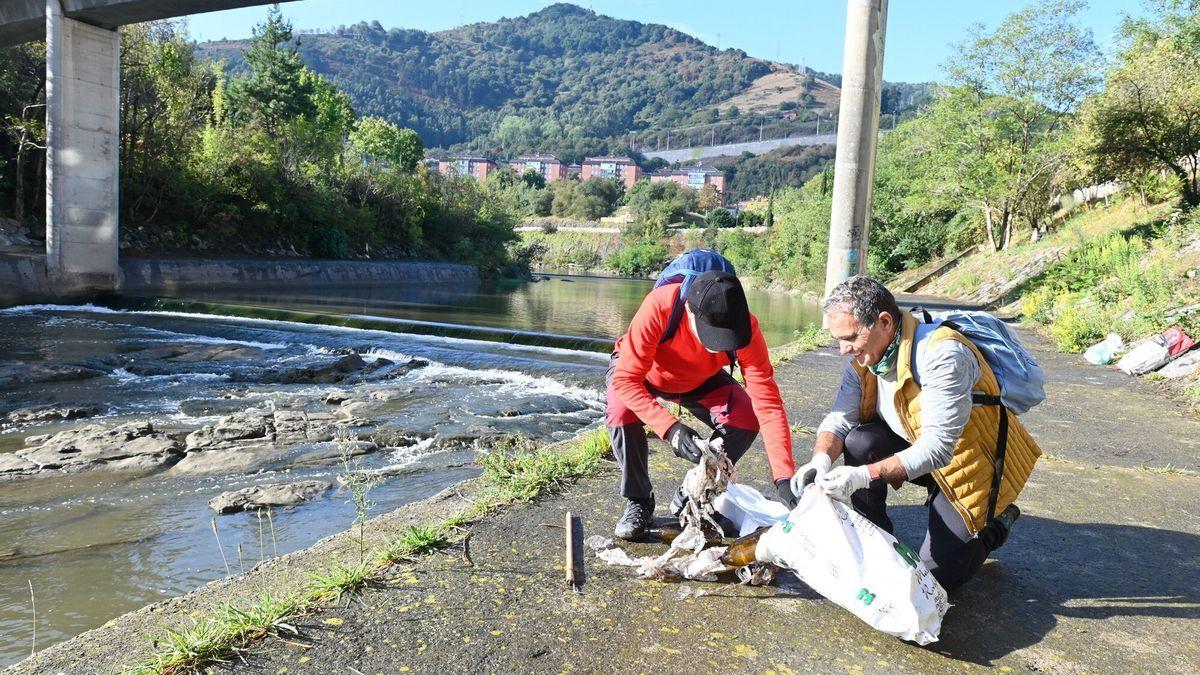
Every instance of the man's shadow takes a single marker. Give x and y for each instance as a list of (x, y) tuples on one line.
[(1050, 569)]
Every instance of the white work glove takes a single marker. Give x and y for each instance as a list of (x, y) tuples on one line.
[(817, 466), (844, 481)]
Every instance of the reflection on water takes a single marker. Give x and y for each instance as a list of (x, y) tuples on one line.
[(565, 305)]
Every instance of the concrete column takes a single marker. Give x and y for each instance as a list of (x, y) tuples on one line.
[(82, 118), (857, 132)]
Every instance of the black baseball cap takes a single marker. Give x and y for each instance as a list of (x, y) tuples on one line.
[(722, 315)]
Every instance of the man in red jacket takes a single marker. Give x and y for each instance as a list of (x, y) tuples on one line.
[(689, 368)]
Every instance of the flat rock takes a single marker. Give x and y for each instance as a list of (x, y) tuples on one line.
[(49, 413), (330, 373), (241, 426), (226, 461), (337, 397), (13, 374), (96, 446), (331, 453), (284, 427), (268, 496), (12, 464)]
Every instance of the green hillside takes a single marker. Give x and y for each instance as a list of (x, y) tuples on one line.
[(563, 79)]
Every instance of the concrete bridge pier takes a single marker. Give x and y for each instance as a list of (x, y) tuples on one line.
[(82, 133)]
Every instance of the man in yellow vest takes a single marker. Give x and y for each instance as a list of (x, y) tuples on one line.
[(905, 411)]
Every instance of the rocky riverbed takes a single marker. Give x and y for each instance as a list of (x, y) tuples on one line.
[(123, 433)]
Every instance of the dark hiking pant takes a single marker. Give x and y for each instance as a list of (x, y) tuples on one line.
[(720, 402), (949, 550)]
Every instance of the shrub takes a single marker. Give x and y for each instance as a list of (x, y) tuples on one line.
[(642, 259)]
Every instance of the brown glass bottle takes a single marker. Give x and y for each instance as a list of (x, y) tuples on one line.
[(668, 532), (741, 552)]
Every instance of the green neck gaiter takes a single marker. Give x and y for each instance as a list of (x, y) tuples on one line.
[(888, 361)]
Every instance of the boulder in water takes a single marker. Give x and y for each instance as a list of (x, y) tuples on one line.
[(267, 496)]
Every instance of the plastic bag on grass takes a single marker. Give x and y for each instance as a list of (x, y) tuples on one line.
[(858, 566), (1102, 353)]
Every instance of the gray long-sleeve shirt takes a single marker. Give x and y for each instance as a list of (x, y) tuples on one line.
[(947, 374)]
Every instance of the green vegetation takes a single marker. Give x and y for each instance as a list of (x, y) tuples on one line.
[(750, 176), (562, 80), (513, 472), (212, 639), (1121, 283), (268, 161)]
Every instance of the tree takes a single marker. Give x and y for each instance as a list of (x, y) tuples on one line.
[(993, 139), (719, 218), (333, 119), (533, 179), (381, 140), (709, 198), (660, 203), (275, 91), (1148, 115)]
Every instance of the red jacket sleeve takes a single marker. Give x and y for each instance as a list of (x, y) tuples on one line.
[(637, 357), (755, 362)]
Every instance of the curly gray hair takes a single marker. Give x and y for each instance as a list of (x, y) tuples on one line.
[(864, 298)]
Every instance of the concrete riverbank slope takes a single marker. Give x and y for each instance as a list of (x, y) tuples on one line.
[(1101, 574)]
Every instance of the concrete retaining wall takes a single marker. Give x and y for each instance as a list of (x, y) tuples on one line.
[(23, 277), (141, 275)]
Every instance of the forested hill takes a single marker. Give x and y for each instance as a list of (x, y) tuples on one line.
[(563, 80)]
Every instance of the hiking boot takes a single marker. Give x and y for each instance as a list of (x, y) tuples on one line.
[(639, 513), (1002, 525)]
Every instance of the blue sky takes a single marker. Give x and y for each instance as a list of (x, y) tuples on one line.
[(919, 34)]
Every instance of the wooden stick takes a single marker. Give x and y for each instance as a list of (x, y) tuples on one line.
[(569, 550)]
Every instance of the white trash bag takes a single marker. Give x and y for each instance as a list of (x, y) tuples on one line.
[(1145, 356), (848, 559)]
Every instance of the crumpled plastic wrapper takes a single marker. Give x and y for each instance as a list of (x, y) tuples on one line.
[(687, 557)]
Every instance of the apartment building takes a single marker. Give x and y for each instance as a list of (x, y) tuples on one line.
[(476, 167), (694, 177), (548, 166), (622, 168)]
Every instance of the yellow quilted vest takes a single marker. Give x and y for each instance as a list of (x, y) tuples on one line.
[(967, 480)]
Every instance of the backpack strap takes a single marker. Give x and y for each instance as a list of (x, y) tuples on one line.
[(1001, 447), (676, 317), (978, 398)]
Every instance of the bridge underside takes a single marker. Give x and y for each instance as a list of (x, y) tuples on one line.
[(25, 20)]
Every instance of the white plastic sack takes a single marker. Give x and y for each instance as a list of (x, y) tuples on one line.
[(1145, 356), (1102, 353), (858, 566), (748, 509)]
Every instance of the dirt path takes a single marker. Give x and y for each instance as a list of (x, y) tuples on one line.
[(1102, 573)]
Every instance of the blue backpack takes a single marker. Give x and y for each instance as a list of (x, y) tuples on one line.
[(1022, 381), (683, 270)]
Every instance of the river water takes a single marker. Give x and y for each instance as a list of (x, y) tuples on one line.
[(97, 544)]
